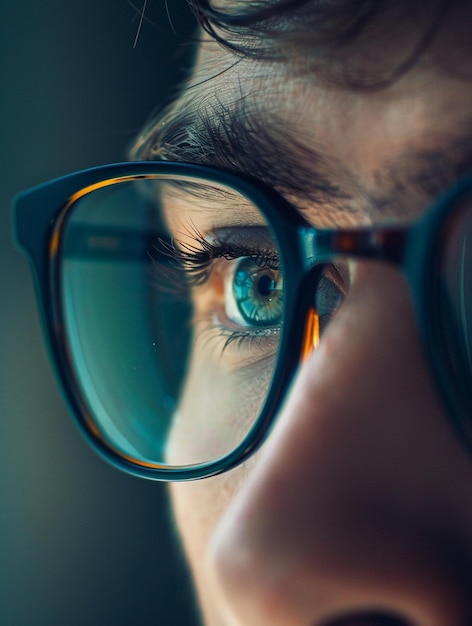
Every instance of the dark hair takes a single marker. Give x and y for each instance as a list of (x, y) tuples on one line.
[(319, 33)]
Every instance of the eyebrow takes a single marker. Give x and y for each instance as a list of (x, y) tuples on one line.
[(239, 137)]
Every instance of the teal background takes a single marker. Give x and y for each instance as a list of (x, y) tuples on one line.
[(80, 542)]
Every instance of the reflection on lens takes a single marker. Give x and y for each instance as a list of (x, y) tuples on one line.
[(172, 293), (456, 297)]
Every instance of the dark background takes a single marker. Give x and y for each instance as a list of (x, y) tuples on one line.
[(80, 542)]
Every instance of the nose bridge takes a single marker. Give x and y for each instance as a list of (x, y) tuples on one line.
[(345, 513)]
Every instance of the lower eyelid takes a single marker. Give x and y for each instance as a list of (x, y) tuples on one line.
[(242, 349), (236, 347)]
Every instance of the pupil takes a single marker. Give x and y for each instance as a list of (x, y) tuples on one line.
[(265, 285)]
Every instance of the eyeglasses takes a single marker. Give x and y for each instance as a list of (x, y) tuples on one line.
[(178, 301)]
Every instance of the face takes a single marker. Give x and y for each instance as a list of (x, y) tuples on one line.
[(358, 508)]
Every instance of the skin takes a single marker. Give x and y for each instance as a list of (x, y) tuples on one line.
[(360, 501)]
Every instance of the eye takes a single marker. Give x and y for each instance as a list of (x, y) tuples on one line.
[(330, 292), (253, 293)]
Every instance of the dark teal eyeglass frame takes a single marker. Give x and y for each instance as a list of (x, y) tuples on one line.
[(414, 249)]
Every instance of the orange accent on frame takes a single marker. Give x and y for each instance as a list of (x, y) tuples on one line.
[(312, 334), (106, 183), (54, 243)]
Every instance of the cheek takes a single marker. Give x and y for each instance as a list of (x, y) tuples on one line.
[(219, 403), (198, 508)]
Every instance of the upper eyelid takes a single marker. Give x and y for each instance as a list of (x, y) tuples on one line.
[(204, 250)]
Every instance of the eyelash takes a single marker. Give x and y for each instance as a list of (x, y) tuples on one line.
[(198, 257)]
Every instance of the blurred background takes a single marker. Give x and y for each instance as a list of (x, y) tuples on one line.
[(80, 542)]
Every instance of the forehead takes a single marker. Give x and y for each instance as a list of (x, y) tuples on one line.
[(422, 116), (290, 86), (342, 49), (324, 144)]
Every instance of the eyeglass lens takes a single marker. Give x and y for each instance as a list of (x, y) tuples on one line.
[(173, 301)]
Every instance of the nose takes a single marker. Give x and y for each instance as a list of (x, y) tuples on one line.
[(359, 508)]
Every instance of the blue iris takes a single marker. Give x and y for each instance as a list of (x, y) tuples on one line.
[(258, 293)]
